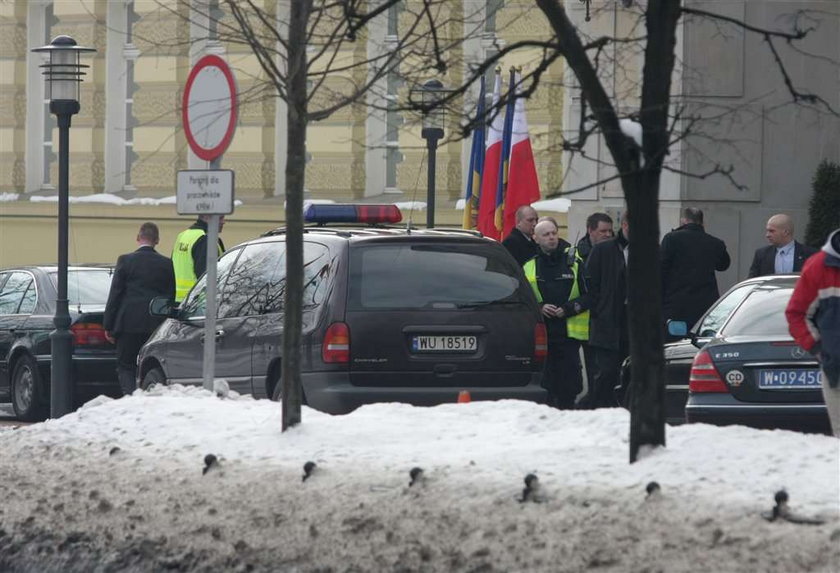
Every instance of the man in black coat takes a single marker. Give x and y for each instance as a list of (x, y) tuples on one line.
[(783, 255), (690, 257), (520, 242), (606, 269), (599, 227), (138, 278)]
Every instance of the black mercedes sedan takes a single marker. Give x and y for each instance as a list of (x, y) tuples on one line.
[(680, 354), (27, 306), (752, 373)]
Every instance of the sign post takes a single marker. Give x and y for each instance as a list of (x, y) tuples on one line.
[(208, 113)]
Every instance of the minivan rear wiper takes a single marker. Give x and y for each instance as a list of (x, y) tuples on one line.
[(488, 303)]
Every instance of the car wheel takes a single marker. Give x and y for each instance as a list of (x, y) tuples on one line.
[(276, 385), (153, 377), (277, 392), (25, 396)]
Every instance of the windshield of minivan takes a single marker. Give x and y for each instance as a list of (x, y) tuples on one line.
[(432, 276)]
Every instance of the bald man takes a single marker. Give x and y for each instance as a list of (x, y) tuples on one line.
[(783, 255), (520, 243)]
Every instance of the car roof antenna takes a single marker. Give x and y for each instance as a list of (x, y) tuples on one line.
[(414, 195)]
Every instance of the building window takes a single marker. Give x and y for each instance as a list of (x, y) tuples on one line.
[(492, 8), (47, 155), (121, 58), (130, 54), (393, 120)]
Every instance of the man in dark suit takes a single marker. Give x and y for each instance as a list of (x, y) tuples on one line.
[(520, 242), (690, 257), (138, 278), (783, 254), (606, 269)]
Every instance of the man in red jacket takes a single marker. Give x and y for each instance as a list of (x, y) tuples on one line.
[(813, 315)]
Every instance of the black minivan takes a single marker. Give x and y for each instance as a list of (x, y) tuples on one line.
[(390, 314)]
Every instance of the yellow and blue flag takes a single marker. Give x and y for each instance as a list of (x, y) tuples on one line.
[(476, 165)]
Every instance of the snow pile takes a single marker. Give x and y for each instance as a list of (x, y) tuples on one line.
[(120, 485), (111, 199)]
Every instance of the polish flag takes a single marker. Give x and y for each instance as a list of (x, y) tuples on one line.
[(490, 176), (523, 187)]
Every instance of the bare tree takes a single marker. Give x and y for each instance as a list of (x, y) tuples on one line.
[(639, 168), (299, 55)]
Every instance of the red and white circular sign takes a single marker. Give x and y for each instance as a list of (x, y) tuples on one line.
[(208, 108)]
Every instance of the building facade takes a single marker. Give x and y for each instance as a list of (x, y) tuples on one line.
[(737, 113)]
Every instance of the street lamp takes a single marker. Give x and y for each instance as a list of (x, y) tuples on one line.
[(64, 76), (431, 95)]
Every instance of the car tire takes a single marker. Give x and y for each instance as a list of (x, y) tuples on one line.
[(276, 385), (26, 385), (277, 393), (153, 377)]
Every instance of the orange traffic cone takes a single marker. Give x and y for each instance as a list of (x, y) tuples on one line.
[(463, 396)]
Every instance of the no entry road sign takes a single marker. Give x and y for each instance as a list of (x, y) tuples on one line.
[(209, 107)]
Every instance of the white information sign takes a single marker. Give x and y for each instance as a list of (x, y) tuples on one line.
[(205, 192)]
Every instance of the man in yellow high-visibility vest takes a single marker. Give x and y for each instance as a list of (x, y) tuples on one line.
[(556, 275), (189, 255)]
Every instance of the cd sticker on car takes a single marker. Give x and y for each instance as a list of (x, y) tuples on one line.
[(735, 377)]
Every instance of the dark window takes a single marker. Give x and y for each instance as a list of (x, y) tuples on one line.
[(86, 286), (13, 292), (195, 304), (712, 322), (257, 285), (442, 276), (318, 268), (27, 305), (258, 272), (762, 313)]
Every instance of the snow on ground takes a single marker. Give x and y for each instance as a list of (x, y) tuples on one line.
[(111, 199), (118, 486)]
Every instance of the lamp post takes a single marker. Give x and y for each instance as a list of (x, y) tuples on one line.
[(64, 76), (431, 93)]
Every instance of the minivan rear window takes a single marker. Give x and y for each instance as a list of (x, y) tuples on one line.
[(432, 276)]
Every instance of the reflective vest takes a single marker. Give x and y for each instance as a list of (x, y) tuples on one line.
[(577, 326), (182, 261)]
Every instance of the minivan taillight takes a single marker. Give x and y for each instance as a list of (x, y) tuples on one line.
[(704, 376), (540, 342), (336, 348), (88, 334)]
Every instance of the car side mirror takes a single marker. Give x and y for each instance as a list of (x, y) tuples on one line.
[(163, 306), (677, 328)]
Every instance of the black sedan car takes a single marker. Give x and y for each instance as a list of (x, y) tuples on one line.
[(27, 306), (752, 372), (679, 355)]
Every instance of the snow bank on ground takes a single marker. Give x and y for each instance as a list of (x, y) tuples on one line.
[(111, 199), (119, 485)]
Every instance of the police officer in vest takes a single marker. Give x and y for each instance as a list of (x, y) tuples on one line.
[(189, 255), (556, 275)]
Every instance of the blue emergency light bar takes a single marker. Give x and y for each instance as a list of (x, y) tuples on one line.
[(347, 213)]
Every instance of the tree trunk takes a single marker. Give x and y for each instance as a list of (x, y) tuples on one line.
[(647, 389), (647, 401), (295, 173)]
